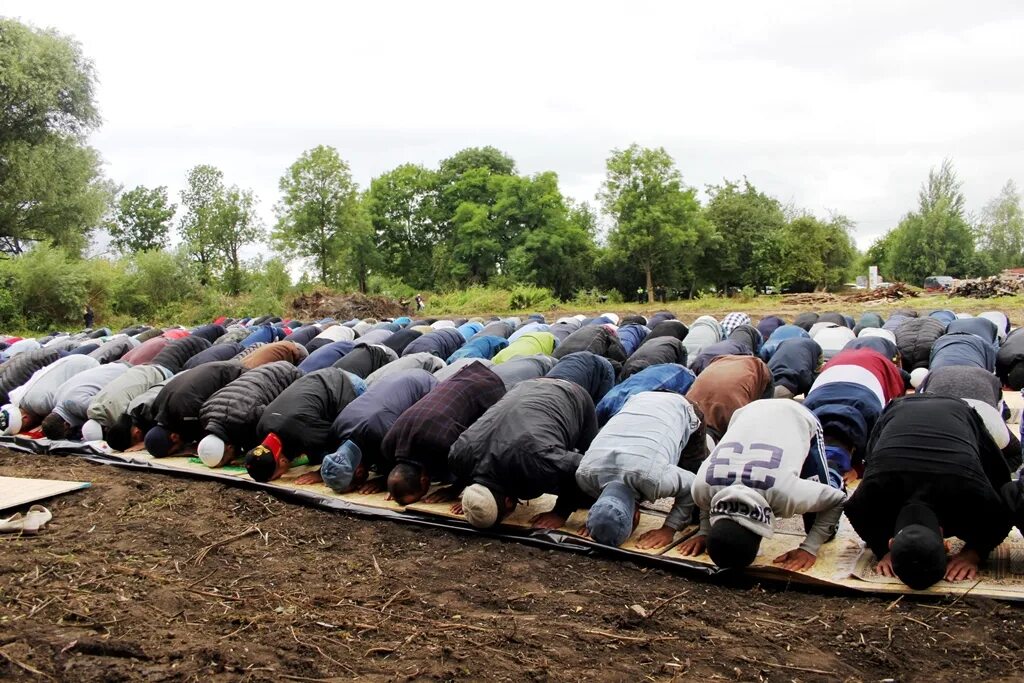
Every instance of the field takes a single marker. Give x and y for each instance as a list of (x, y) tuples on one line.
[(150, 577)]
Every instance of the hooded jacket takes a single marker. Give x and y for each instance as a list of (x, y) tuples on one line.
[(179, 403), (592, 372), (20, 368), (326, 356), (301, 416), (529, 443), (640, 446), (753, 477), (178, 352), (399, 340), (676, 329), (1009, 365), (304, 334), (416, 361), (233, 412), (767, 326), (657, 351), (441, 343), (366, 420), (210, 333)]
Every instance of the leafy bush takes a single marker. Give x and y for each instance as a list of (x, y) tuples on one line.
[(481, 300)]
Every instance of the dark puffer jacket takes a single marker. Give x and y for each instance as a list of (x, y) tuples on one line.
[(364, 360), (654, 352), (915, 338), (1010, 360), (676, 329), (215, 353), (441, 343), (596, 339), (179, 403), (302, 415), (180, 351), (233, 412), (19, 369)]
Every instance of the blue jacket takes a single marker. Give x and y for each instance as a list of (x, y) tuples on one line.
[(780, 335), (794, 364), (589, 370), (667, 377), (962, 348), (632, 336), (479, 347), (264, 334), (326, 356)]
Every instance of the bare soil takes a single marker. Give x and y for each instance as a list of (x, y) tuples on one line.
[(150, 577)]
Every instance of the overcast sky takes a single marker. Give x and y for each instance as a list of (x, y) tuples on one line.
[(840, 106)]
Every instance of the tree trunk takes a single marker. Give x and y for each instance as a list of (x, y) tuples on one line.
[(650, 286)]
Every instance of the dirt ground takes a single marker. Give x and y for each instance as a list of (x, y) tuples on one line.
[(150, 577)]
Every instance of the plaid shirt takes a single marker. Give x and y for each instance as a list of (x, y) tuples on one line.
[(424, 433)]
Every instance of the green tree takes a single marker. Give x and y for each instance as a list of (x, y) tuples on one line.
[(51, 191), (47, 86), (235, 224), (750, 225), (51, 184), (402, 206), (656, 218), (558, 254), (816, 254), (1001, 229), (318, 213), (142, 220), (201, 200), (935, 239)]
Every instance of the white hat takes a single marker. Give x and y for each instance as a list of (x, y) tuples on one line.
[(211, 450), (10, 419), (917, 376), (479, 506), (92, 431)]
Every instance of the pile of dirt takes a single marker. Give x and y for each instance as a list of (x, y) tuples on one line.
[(987, 287), (150, 577), (320, 304), (811, 299)]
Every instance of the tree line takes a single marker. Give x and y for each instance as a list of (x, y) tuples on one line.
[(473, 219)]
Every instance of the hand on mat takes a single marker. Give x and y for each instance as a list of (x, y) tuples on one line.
[(309, 478), (963, 566), (795, 560), (548, 520), (457, 508), (693, 546), (656, 538), (375, 485), (884, 566), (136, 447), (850, 476), (442, 495)]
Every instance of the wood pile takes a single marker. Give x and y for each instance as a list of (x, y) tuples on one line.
[(987, 287), (810, 299), (893, 292)]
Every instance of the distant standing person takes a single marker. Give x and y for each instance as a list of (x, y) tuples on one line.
[(640, 295), (419, 303), (88, 315)]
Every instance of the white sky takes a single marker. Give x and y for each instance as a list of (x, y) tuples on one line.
[(831, 106)]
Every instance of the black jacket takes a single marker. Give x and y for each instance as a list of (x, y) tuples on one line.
[(529, 443), (233, 412), (399, 340), (217, 352), (915, 338), (668, 328), (179, 403), (655, 351), (934, 450), (795, 363), (180, 351), (1009, 357), (441, 343), (363, 360), (596, 339), (302, 414)]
